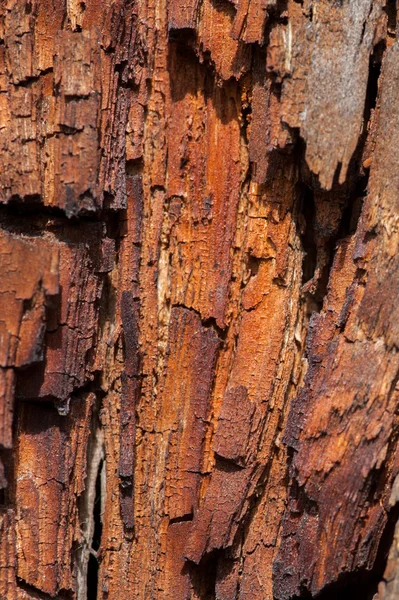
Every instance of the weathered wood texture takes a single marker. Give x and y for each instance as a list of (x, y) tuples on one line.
[(199, 230)]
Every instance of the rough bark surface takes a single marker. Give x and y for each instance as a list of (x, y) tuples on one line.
[(199, 325)]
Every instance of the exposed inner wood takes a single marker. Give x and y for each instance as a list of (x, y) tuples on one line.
[(199, 324)]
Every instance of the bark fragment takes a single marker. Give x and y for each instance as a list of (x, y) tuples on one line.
[(198, 354)]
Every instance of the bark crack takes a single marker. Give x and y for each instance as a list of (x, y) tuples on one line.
[(90, 507)]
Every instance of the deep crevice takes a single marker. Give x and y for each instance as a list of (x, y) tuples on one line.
[(226, 465), (307, 211), (93, 566), (181, 519), (32, 218), (6, 475), (90, 512), (375, 63), (204, 575), (211, 322), (390, 9)]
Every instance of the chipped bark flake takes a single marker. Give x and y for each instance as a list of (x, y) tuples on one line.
[(325, 91)]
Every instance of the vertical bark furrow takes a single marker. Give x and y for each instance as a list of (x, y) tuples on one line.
[(198, 315)]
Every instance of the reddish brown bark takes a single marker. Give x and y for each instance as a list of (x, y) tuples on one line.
[(198, 301)]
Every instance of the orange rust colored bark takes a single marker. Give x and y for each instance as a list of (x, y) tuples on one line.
[(198, 301)]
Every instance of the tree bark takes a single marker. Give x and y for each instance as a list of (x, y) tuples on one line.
[(199, 325)]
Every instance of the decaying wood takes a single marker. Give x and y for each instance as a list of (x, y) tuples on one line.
[(198, 304)]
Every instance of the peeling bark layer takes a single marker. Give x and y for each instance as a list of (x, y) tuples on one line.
[(198, 315)]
